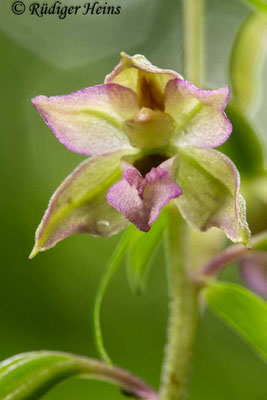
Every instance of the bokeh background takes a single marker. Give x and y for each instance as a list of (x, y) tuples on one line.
[(47, 303)]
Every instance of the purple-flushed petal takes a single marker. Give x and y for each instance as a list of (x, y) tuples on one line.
[(127, 72), (199, 114), (90, 121), (141, 199), (253, 269)]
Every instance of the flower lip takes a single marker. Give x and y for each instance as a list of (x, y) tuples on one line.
[(145, 164), (141, 199)]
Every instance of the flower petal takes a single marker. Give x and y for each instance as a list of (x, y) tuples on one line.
[(210, 184), (253, 269), (141, 199), (79, 204), (90, 121), (199, 114), (126, 73)]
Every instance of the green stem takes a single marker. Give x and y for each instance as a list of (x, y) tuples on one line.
[(183, 311), (193, 40)]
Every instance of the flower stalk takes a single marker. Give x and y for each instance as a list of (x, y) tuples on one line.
[(183, 312), (193, 11), (230, 255)]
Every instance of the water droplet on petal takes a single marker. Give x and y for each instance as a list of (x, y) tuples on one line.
[(103, 223), (103, 227)]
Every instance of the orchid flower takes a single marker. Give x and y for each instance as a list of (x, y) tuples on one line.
[(150, 135)]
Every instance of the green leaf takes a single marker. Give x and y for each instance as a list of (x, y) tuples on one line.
[(245, 59), (243, 147), (141, 250), (211, 198), (260, 5), (79, 204), (29, 376), (245, 312), (112, 267)]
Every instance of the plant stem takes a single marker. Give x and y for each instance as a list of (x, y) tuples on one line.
[(193, 40), (230, 255), (183, 306), (183, 310)]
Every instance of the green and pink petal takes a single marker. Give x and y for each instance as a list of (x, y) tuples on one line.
[(90, 121), (199, 114)]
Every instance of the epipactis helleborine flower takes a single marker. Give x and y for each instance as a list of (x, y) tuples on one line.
[(150, 135)]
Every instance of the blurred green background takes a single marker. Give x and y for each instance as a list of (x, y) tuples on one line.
[(47, 303)]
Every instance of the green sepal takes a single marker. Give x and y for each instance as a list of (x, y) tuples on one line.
[(79, 205), (211, 198)]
